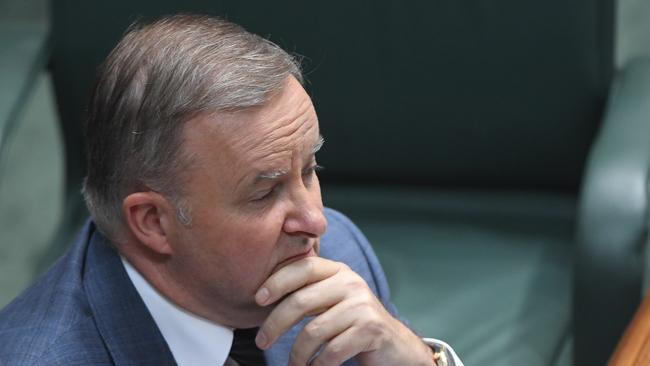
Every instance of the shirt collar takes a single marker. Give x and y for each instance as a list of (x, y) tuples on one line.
[(192, 340)]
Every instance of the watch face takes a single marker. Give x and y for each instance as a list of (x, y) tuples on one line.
[(440, 356)]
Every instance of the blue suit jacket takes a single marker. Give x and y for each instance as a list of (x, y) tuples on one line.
[(85, 311)]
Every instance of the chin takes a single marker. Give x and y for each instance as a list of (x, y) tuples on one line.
[(253, 316)]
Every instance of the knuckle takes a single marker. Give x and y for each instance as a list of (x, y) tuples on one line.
[(273, 326), (295, 357), (375, 330), (377, 320), (313, 330), (356, 284), (344, 267), (368, 297), (351, 279), (268, 328), (364, 301), (336, 350), (376, 325), (300, 351), (310, 266), (333, 354), (300, 300)]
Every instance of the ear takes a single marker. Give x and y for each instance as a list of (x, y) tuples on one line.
[(150, 219)]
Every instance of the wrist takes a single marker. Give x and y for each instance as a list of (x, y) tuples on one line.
[(431, 357), (420, 352)]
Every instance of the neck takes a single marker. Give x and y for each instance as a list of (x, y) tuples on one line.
[(158, 271)]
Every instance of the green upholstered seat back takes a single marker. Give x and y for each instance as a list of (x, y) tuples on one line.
[(476, 93)]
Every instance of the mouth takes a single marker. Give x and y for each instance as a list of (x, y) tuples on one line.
[(309, 253)]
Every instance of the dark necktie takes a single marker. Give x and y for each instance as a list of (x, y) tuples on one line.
[(244, 350)]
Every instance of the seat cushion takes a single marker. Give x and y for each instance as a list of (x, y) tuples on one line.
[(488, 272), (31, 189)]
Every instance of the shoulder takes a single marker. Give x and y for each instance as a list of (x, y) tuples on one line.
[(50, 322), (341, 230), (342, 239), (75, 344), (344, 242)]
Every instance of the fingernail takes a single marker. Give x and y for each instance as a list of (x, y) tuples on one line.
[(260, 339), (262, 295)]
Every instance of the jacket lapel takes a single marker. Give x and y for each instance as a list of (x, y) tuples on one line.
[(128, 330)]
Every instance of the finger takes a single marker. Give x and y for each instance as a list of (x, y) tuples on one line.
[(294, 276), (340, 349), (321, 330), (310, 300)]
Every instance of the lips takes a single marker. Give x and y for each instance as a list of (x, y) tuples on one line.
[(310, 253)]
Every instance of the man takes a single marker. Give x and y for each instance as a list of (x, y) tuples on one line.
[(207, 217)]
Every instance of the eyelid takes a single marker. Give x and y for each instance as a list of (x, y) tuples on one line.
[(269, 192), (313, 168), (266, 194)]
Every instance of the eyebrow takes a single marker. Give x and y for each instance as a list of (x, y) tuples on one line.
[(275, 174), (319, 144)]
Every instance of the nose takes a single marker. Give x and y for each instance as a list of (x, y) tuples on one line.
[(305, 217)]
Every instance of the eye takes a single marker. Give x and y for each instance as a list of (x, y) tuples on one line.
[(263, 196), (309, 173), (312, 169)]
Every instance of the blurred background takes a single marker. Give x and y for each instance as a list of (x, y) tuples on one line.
[(495, 153)]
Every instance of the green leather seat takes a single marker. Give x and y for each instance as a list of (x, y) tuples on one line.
[(489, 272), (612, 267), (31, 156)]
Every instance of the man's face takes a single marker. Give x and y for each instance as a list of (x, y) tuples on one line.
[(255, 204)]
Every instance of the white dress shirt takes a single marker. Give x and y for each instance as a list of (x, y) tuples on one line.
[(193, 340)]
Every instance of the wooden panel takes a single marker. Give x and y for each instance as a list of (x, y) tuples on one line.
[(634, 347)]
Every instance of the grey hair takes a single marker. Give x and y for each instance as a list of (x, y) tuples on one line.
[(158, 77)]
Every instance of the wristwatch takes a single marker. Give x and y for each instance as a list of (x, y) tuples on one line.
[(442, 356)]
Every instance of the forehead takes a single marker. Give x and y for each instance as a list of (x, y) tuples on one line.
[(258, 137)]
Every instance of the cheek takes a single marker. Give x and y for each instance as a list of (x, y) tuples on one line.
[(261, 236), (253, 239), (247, 240), (251, 256)]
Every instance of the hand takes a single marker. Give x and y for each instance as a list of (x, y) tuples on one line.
[(350, 321)]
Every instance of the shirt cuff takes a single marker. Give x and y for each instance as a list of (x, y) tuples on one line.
[(446, 350)]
